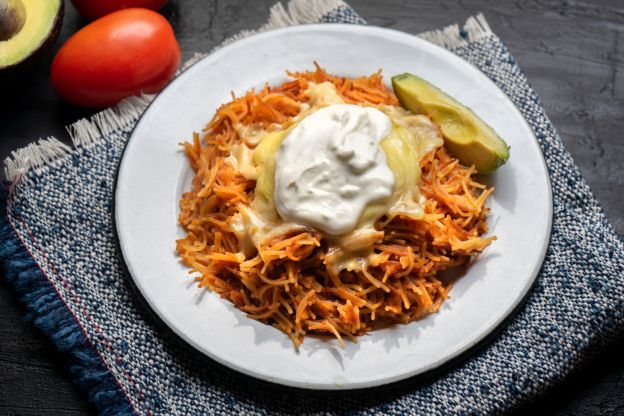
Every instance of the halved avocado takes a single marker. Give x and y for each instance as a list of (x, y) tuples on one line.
[(27, 28), (468, 137)]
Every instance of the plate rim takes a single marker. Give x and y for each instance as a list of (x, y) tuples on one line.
[(449, 360)]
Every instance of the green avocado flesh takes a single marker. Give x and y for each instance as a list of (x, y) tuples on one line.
[(466, 136), (26, 26)]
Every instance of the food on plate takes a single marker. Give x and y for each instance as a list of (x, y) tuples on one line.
[(94, 9), (321, 206), (122, 54), (466, 136), (27, 29)]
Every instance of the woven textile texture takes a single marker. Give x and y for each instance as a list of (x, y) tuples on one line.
[(60, 253)]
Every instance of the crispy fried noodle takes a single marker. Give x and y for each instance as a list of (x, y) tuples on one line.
[(287, 279)]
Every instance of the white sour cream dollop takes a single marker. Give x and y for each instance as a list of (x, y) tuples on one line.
[(331, 166)]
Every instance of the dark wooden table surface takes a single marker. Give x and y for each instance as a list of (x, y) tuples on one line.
[(571, 51)]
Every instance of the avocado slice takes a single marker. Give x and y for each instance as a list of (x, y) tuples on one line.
[(27, 28), (468, 137)]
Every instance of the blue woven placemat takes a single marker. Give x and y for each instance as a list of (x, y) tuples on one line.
[(59, 252)]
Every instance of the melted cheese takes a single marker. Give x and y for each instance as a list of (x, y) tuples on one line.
[(411, 137), (322, 95), (251, 230), (241, 159)]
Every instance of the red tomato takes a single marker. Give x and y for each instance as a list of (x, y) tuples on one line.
[(94, 9), (121, 54)]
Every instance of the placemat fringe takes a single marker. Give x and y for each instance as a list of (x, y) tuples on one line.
[(34, 156), (452, 37), (83, 133), (477, 28), (123, 114)]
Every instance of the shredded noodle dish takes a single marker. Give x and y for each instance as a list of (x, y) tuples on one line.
[(303, 279)]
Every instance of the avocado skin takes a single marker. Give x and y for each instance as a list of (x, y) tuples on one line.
[(485, 149), (20, 70)]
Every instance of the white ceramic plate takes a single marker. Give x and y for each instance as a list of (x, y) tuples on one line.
[(154, 173)]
